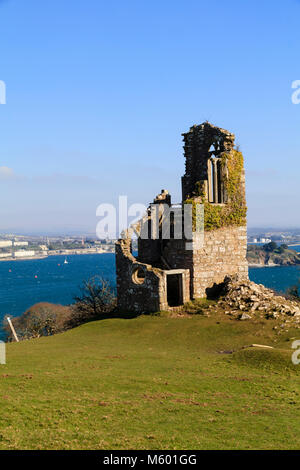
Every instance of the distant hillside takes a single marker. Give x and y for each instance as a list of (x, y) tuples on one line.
[(272, 254)]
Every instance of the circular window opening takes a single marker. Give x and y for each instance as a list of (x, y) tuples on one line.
[(138, 276)]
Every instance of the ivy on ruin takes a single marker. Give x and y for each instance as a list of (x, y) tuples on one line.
[(234, 211)]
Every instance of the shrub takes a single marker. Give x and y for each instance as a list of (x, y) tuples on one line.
[(272, 246), (42, 319), (96, 300), (293, 292), (284, 246)]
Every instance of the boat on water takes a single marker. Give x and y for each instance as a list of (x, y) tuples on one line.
[(66, 261)]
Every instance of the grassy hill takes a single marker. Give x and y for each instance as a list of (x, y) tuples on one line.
[(152, 383)]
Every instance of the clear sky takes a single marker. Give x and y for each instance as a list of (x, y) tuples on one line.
[(98, 94)]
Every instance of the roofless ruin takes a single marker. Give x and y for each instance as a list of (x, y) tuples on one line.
[(174, 266)]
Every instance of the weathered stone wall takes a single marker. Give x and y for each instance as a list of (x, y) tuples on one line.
[(132, 297), (149, 251), (223, 253), (177, 256), (197, 143), (150, 295)]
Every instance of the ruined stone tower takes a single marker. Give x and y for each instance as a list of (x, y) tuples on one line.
[(170, 270)]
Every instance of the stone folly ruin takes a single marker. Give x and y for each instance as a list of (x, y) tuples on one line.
[(170, 270)]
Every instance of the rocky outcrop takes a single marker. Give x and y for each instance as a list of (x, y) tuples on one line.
[(246, 299), (261, 256)]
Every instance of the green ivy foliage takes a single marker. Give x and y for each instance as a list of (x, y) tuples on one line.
[(234, 212)]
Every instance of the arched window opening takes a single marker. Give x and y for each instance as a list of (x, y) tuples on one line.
[(220, 182), (139, 275), (210, 180), (215, 181)]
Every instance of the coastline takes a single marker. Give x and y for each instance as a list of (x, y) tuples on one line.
[(65, 253), (258, 265), (271, 265), (28, 258), (22, 259)]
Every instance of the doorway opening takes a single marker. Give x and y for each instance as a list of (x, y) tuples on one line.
[(174, 290)]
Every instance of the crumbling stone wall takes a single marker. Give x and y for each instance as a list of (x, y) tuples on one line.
[(198, 143), (134, 297), (211, 149), (148, 294), (222, 253), (150, 248)]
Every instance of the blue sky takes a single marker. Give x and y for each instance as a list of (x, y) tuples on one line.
[(98, 94)]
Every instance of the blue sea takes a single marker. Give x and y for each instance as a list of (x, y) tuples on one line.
[(26, 282)]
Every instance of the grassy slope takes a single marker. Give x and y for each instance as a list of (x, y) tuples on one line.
[(154, 383)]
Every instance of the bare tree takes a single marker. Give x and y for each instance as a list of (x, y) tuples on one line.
[(96, 300)]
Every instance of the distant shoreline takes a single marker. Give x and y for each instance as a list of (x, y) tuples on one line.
[(23, 259), (111, 252), (28, 258), (258, 265), (36, 257)]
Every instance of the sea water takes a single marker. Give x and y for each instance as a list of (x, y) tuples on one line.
[(24, 283)]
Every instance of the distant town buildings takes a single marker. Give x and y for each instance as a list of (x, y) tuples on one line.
[(15, 243), (5, 243), (24, 254), (10, 243), (22, 247), (260, 240)]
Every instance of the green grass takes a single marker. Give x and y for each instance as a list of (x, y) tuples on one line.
[(152, 383)]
